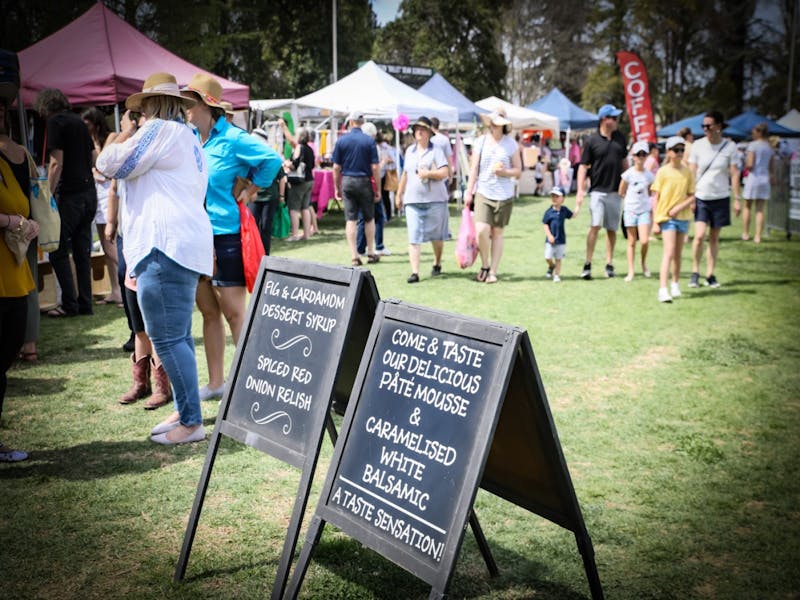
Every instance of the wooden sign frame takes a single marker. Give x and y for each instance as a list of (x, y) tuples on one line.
[(346, 307), (509, 388)]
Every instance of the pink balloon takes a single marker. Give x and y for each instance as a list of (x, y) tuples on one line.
[(400, 123)]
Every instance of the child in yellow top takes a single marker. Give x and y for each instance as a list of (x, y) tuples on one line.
[(674, 190)]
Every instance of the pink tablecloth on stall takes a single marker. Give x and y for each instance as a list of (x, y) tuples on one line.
[(323, 190)]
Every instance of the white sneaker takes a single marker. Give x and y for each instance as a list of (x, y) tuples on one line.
[(663, 295), (674, 290), (629, 277), (207, 393), (556, 278), (384, 252)]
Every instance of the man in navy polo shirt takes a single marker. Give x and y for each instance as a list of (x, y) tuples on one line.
[(604, 158), (355, 161)]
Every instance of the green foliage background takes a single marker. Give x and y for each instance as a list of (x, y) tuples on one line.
[(699, 54)]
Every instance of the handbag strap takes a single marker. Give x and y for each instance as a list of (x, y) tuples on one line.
[(713, 158), (32, 170)]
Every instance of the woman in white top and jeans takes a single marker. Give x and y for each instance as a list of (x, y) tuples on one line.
[(495, 162), (168, 239)]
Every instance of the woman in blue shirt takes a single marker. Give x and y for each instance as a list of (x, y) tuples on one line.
[(229, 152)]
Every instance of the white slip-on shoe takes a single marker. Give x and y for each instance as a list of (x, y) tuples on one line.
[(164, 427), (208, 393), (197, 435)]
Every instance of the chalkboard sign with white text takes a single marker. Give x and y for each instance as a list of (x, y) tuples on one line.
[(285, 372), (419, 429)]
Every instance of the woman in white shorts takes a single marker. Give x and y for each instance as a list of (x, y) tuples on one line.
[(757, 186)]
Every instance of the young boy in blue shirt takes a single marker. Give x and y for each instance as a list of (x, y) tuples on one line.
[(555, 244)]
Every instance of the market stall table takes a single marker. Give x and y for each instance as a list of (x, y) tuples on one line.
[(323, 191)]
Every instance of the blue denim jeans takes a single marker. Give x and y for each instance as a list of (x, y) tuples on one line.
[(166, 293), (361, 236)]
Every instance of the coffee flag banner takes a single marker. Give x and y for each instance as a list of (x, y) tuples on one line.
[(637, 96)]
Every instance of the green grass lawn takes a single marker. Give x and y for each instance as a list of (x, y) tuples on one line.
[(679, 424)]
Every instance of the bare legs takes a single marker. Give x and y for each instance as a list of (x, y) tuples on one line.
[(350, 230), (110, 254), (490, 246), (643, 232), (746, 212), (672, 242), (415, 255), (214, 304), (698, 244)]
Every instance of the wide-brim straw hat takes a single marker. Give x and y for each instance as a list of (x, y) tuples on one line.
[(423, 123), (158, 84), (228, 107), (208, 88)]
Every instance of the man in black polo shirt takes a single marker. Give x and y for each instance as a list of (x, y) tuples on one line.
[(72, 155), (355, 160), (605, 158)]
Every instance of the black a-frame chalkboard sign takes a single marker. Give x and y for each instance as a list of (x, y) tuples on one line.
[(441, 405), (294, 352)]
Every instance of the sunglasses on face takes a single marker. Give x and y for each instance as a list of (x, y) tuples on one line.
[(612, 118), (708, 125), (678, 150), (641, 154)]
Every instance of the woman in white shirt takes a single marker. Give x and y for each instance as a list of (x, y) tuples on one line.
[(495, 164), (757, 185), (168, 239)]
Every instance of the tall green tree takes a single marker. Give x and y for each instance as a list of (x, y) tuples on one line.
[(458, 38), (281, 48), (545, 46)]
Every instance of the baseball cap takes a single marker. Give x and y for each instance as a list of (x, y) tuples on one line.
[(640, 147), (356, 116), (675, 140), (608, 110), (556, 191)]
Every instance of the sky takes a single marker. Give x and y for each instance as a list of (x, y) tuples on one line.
[(386, 10)]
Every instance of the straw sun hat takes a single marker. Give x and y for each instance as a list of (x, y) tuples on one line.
[(208, 88), (158, 84), (497, 117)]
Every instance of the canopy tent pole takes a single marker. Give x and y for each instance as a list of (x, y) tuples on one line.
[(116, 118), (23, 129), (461, 185)]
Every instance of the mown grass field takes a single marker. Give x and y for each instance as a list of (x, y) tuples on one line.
[(679, 424)]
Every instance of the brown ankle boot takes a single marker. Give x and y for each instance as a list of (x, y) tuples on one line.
[(162, 391), (141, 380)]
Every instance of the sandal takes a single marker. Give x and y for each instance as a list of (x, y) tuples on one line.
[(109, 300), (482, 274), (372, 258), (356, 262), (59, 312)]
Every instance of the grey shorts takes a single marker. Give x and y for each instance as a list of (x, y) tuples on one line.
[(605, 209), (557, 251), (299, 196), (358, 196)]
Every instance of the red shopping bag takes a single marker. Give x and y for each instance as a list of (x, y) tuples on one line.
[(467, 241), (252, 246)]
